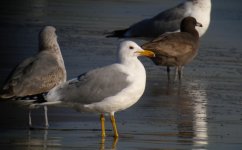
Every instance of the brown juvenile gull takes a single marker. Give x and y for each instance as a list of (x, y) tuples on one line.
[(38, 74), (169, 21), (108, 89), (176, 49)]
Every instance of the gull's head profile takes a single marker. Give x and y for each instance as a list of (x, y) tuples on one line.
[(129, 49), (47, 38)]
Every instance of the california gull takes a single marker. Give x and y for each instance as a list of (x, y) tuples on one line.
[(169, 20), (108, 89), (37, 74)]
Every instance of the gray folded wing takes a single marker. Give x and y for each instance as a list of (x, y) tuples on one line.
[(34, 75), (167, 21), (93, 86)]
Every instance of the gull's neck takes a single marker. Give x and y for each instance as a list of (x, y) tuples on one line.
[(201, 3), (128, 60), (53, 47), (131, 63)]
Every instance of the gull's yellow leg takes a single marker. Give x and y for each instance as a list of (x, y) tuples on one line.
[(102, 145), (114, 125), (115, 141), (102, 119)]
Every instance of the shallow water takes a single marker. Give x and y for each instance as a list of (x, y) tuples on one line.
[(204, 112)]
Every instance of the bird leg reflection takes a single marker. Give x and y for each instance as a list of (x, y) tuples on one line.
[(168, 73), (102, 119), (46, 117), (176, 74), (114, 144), (102, 145), (114, 125), (180, 72), (115, 141), (30, 120)]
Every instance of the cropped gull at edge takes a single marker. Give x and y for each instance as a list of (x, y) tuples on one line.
[(36, 75)]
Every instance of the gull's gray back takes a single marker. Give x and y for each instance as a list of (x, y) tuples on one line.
[(91, 87), (35, 75), (166, 21)]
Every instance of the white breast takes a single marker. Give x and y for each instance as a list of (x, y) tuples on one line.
[(201, 11), (128, 96)]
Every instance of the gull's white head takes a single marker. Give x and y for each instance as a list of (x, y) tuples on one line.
[(129, 50)]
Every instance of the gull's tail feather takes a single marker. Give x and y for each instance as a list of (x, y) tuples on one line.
[(5, 95), (38, 98), (31, 101), (117, 33), (34, 101)]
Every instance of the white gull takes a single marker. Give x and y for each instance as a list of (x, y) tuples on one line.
[(108, 89), (169, 20)]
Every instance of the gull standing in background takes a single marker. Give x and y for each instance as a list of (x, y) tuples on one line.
[(108, 89), (38, 74), (176, 49), (169, 21)]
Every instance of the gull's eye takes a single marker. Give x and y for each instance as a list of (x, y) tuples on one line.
[(131, 47)]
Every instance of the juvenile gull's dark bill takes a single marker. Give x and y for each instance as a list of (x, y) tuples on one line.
[(108, 89), (37, 74), (169, 20), (176, 49)]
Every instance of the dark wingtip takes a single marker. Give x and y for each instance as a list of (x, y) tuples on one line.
[(6, 94), (116, 33), (110, 35), (38, 98)]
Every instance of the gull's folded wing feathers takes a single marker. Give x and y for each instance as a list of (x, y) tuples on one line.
[(92, 86)]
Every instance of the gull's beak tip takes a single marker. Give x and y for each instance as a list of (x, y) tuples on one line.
[(199, 24), (147, 53)]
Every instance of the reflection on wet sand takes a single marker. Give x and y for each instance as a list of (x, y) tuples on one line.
[(37, 142), (44, 142), (114, 144), (200, 113), (196, 90), (189, 101), (183, 106), (46, 139)]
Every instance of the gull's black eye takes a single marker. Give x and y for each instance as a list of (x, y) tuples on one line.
[(131, 47)]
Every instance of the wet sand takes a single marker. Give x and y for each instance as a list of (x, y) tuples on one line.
[(204, 112)]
